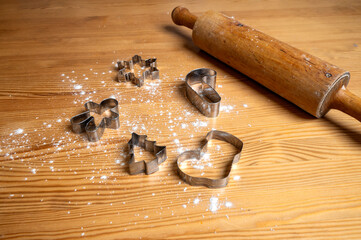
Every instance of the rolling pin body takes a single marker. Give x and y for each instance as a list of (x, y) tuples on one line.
[(305, 80)]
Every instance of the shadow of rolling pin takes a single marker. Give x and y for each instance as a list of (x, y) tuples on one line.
[(312, 84)]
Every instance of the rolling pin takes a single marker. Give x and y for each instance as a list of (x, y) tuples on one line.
[(314, 85)]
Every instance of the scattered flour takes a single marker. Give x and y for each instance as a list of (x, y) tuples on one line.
[(151, 93), (237, 178), (203, 124), (198, 123), (19, 131), (196, 201), (228, 204), (214, 204), (226, 109), (78, 86)]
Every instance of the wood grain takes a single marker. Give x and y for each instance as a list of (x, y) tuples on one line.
[(298, 177)]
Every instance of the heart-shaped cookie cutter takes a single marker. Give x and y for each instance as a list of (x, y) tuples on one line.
[(197, 154), (160, 153), (200, 90), (84, 122)]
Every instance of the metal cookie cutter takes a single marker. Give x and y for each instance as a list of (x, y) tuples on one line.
[(151, 72), (200, 84), (197, 154), (84, 122), (160, 153)]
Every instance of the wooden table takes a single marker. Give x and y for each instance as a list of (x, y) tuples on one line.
[(299, 177)]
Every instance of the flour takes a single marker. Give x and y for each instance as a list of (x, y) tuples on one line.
[(237, 178), (226, 108), (196, 201), (78, 86), (214, 204), (228, 204), (162, 119), (19, 131)]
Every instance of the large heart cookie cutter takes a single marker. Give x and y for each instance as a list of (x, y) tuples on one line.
[(200, 90), (197, 154)]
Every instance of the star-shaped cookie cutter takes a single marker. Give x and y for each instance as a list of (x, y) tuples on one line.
[(84, 122), (197, 154), (151, 71), (160, 153), (200, 90)]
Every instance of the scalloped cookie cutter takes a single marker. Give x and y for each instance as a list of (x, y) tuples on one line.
[(197, 154), (151, 73), (200, 90), (160, 153), (84, 122)]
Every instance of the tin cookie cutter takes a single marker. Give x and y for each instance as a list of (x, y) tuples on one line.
[(152, 72), (84, 122), (197, 154), (200, 90), (160, 153)]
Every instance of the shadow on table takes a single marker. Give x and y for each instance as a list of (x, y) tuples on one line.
[(351, 133), (291, 108)]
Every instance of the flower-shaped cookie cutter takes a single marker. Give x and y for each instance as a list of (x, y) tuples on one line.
[(151, 71), (200, 90), (160, 153), (197, 154), (84, 122)]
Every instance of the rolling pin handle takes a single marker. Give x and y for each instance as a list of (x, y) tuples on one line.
[(348, 103), (181, 16)]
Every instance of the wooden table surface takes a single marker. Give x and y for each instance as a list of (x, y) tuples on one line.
[(299, 177)]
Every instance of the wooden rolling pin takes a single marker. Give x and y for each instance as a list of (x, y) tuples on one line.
[(307, 81)]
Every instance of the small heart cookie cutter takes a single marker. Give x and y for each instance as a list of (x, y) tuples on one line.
[(200, 90), (160, 153), (151, 72), (84, 122), (197, 154)]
